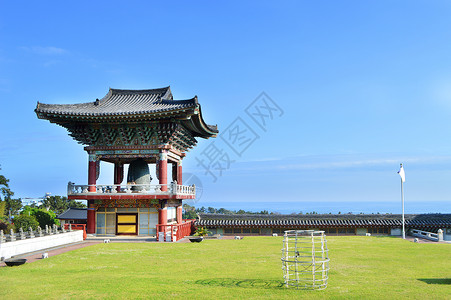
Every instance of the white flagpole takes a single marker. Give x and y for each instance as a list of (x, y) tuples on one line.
[(403, 220), (403, 178)]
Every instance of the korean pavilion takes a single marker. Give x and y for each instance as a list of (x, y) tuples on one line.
[(140, 128)]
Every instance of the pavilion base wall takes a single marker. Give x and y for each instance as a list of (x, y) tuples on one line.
[(18, 247), (149, 214)]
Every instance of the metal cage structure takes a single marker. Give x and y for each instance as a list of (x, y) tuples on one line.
[(305, 259)]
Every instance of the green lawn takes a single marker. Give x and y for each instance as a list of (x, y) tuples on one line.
[(361, 267)]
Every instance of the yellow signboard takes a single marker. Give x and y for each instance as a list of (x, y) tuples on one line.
[(126, 228), (126, 218)]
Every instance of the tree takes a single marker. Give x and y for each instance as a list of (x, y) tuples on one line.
[(60, 204), (13, 206), (57, 204), (211, 210), (8, 205), (201, 210), (189, 212), (5, 191), (76, 204), (25, 221), (224, 211), (46, 218), (43, 216), (2, 210)]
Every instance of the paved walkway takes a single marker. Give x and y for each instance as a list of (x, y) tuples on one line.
[(421, 240), (34, 256), (122, 239)]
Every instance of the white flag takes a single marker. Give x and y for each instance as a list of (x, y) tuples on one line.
[(402, 174)]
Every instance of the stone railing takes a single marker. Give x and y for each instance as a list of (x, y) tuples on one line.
[(436, 237), (31, 241), (151, 189), (23, 235)]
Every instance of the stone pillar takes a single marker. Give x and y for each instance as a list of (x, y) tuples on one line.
[(92, 173), (118, 175), (163, 169), (12, 236), (21, 234), (30, 232), (91, 226), (40, 233), (179, 214)]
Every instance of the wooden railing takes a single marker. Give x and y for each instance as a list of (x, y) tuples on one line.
[(179, 230), (77, 227), (153, 189)]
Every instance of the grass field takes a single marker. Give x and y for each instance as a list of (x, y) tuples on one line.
[(361, 267)]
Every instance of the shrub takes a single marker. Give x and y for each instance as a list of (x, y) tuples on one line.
[(3, 226), (10, 226), (24, 221), (202, 231), (45, 218)]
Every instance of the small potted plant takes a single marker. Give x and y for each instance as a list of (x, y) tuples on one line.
[(199, 235)]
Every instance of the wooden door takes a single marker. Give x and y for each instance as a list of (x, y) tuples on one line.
[(126, 224)]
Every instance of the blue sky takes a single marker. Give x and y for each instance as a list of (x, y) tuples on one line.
[(363, 86)]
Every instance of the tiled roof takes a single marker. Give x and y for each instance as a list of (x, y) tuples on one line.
[(126, 105), (121, 102), (74, 214), (220, 220)]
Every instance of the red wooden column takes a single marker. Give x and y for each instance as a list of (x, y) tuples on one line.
[(92, 173), (179, 172), (162, 218), (91, 226), (179, 214), (163, 169), (118, 174), (174, 171)]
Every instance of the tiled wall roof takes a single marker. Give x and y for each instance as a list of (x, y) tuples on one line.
[(219, 220)]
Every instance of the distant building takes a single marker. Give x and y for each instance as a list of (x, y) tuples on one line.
[(31, 201), (347, 224)]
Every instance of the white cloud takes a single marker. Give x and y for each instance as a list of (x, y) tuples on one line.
[(45, 50), (332, 162)]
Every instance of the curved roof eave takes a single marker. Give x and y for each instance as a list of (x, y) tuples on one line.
[(197, 124)]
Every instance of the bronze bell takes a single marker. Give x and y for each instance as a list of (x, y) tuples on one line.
[(138, 173)]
